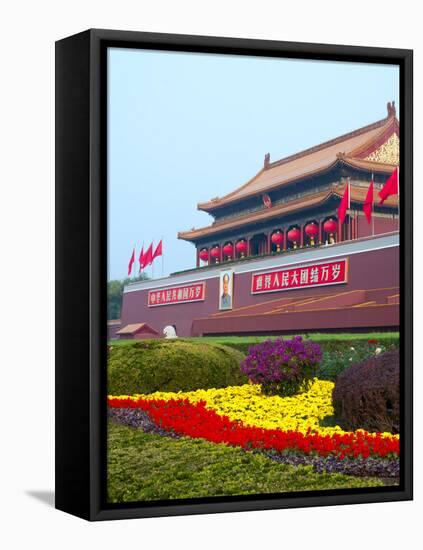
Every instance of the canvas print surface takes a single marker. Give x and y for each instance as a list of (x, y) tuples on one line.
[(253, 276)]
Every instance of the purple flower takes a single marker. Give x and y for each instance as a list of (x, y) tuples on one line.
[(282, 367)]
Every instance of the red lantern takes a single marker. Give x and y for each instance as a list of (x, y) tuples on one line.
[(204, 255), (241, 247), (311, 231), (277, 239), (331, 227), (294, 235), (215, 253), (228, 250)]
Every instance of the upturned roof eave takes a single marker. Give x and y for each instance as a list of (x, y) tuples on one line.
[(212, 204), (384, 124), (268, 214), (358, 164), (261, 215), (369, 165), (300, 177)]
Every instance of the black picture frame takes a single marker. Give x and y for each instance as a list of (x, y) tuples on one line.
[(81, 247)]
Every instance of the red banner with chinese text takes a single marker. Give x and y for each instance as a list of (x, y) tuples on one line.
[(177, 295), (328, 273)]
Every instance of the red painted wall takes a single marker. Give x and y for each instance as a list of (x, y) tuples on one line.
[(367, 270), (382, 317), (381, 225)]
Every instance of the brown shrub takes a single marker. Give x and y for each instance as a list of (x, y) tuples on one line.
[(367, 395)]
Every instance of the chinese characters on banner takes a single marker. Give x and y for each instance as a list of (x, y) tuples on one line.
[(177, 295), (328, 273)]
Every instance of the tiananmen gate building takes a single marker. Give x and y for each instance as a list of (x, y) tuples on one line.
[(275, 259)]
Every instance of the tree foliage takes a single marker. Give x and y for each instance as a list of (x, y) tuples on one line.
[(115, 292)]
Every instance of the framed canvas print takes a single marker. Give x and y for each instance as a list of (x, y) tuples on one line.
[(234, 274)]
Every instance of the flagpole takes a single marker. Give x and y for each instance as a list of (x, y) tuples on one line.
[(131, 263), (140, 258), (373, 205), (373, 219), (162, 258), (349, 206), (152, 263)]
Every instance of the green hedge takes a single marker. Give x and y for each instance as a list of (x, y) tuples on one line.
[(171, 365), (335, 362), (329, 343), (339, 350)]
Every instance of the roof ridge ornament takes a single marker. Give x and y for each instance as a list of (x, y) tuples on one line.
[(392, 110), (266, 163)]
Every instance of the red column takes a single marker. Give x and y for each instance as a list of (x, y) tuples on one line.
[(284, 239), (269, 244), (302, 236), (198, 257), (320, 232)]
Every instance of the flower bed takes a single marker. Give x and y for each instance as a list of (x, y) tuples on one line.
[(190, 415), (302, 412), (358, 467)]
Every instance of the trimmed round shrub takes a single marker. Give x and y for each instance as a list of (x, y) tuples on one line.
[(337, 361), (282, 367), (367, 395), (171, 365)]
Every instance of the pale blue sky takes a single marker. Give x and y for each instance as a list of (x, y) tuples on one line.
[(186, 127)]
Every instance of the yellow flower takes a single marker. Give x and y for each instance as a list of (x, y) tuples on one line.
[(248, 405)]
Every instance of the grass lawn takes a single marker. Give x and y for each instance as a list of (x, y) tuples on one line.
[(316, 337), (143, 466)]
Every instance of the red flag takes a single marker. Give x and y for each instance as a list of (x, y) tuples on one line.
[(159, 250), (344, 204), (148, 256), (141, 259), (391, 187), (368, 202), (131, 262)]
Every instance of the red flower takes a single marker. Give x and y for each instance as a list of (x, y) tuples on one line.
[(195, 420)]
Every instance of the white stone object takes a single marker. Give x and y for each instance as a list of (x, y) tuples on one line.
[(170, 332)]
